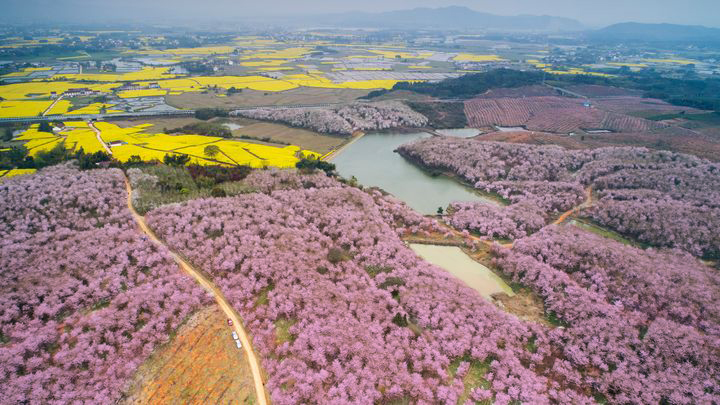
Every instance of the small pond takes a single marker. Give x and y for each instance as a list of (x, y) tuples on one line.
[(463, 267)]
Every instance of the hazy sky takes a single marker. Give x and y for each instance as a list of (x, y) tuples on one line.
[(591, 12)]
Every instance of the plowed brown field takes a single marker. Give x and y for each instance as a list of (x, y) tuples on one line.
[(201, 365)]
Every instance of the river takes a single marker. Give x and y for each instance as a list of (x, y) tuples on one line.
[(372, 160), (460, 265)]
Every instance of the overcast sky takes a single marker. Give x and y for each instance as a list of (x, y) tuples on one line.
[(590, 12)]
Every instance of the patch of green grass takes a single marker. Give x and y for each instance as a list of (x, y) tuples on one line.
[(605, 233), (712, 118), (175, 185), (103, 303), (282, 330), (475, 377), (531, 345), (262, 298), (375, 270), (552, 317)]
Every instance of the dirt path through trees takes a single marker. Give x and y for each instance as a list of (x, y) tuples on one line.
[(219, 298), (587, 203)]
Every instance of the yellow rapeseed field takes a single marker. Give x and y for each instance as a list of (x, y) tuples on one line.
[(85, 139), (133, 142), (576, 71), (21, 91), (155, 146), (673, 61), (94, 108), (10, 109), (27, 71), (6, 174), (61, 107), (73, 137), (469, 57), (76, 124), (35, 146)]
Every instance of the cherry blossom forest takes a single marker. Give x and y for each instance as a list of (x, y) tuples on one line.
[(661, 199), (342, 120), (86, 299)]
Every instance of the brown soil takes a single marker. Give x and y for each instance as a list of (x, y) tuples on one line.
[(201, 365), (303, 95), (296, 136), (524, 304)]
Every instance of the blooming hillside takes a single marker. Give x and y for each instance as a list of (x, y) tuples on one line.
[(84, 299), (640, 326), (342, 120), (342, 311), (660, 198)]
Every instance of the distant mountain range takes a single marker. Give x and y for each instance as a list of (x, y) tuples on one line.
[(638, 32), (448, 18)]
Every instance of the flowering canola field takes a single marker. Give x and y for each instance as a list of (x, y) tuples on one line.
[(31, 108), (469, 57), (5, 174), (156, 146), (22, 91), (74, 136), (133, 141)]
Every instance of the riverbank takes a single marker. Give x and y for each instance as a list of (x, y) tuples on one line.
[(434, 172), (328, 157)]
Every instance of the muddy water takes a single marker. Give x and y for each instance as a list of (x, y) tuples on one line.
[(460, 265)]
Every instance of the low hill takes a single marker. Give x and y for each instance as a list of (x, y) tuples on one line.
[(639, 32), (454, 17)]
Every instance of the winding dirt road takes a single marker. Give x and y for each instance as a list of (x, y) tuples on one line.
[(586, 204), (260, 393)]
